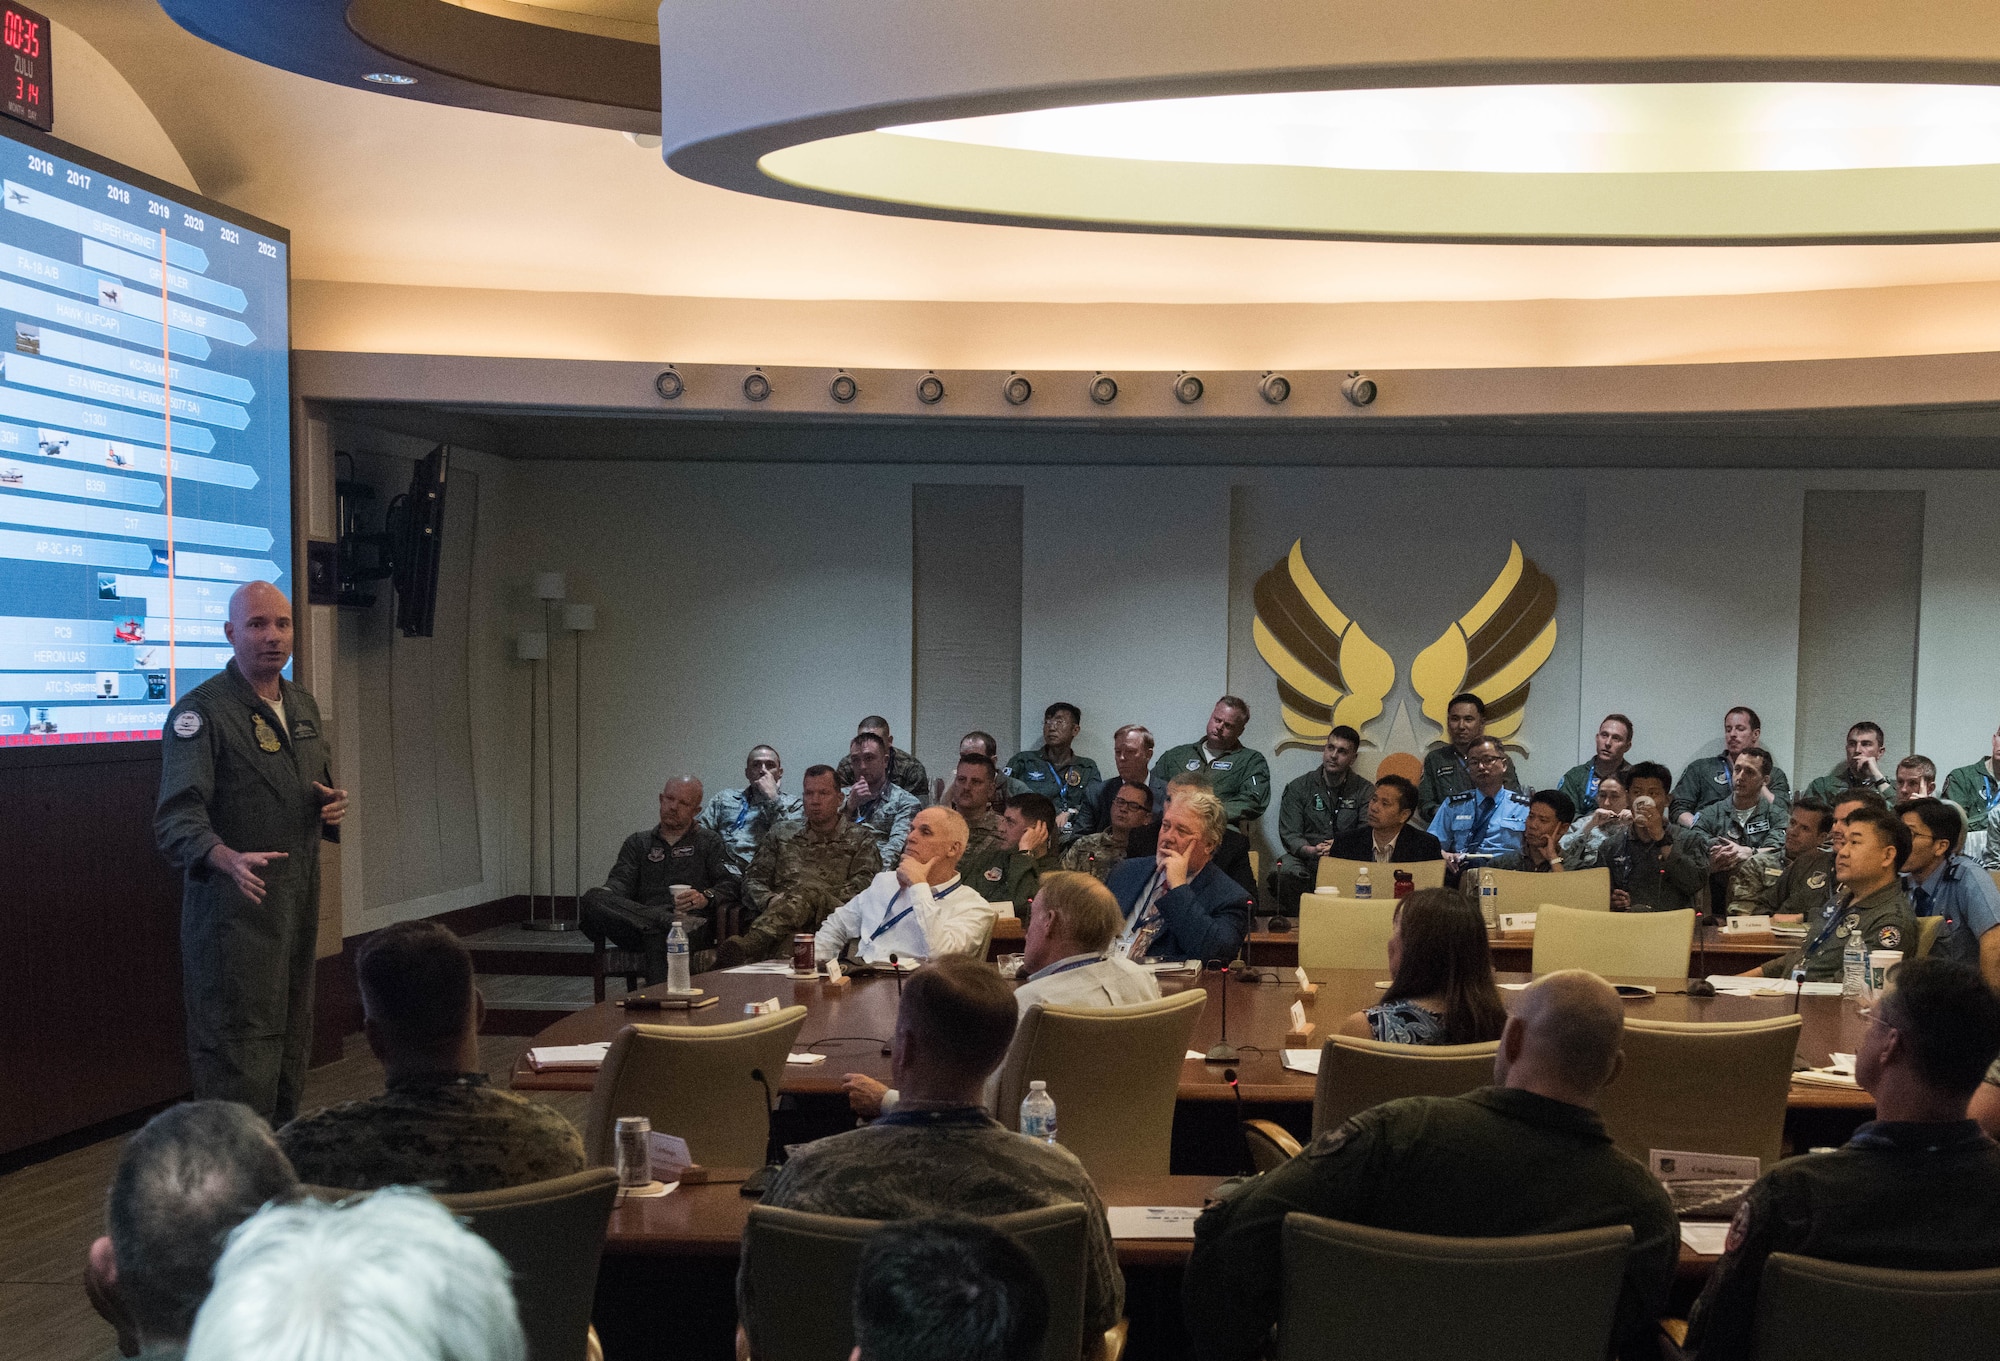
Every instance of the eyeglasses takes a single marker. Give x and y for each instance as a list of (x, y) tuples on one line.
[(1486, 760)]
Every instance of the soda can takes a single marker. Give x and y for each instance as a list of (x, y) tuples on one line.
[(802, 953), (635, 1150)]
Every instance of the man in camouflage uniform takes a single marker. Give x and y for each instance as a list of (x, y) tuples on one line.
[(873, 802), (245, 800), (438, 1124), (1745, 834), (899, 768), (1054, 770), (803, 871), (1102, 852), (1872, 845), (971, 795), (744, 817)]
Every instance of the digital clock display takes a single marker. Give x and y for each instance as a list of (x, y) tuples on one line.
[(26, 90)]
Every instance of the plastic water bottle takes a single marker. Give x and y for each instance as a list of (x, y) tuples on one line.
[(1363, 890), (1854, 966), (677, 960), (1038, 1113), (1489, 898)]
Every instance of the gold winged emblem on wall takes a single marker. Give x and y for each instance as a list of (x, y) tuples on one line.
[(1330, 672)]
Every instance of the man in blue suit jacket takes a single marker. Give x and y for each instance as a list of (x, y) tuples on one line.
[(1178, 905)]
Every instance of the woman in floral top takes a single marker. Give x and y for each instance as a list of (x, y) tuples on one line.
[(1440, 977)]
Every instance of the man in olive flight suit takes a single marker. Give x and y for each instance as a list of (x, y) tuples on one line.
[(1240, 777), (1870, 848), (1318, 808), (245, 798), (1445, 770), (1054, 770)]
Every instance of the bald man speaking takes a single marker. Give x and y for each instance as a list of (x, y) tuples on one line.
[(246, 795)]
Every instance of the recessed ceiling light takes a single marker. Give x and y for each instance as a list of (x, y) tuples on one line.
[(389, 78)]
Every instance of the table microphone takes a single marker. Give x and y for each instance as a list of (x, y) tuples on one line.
[(1699, 986), (1242, 1131), (1224, 1052), (760, 1181), (896, 968)]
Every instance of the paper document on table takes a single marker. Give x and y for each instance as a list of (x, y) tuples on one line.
[(778, 966), (569, 1057), (1707, 1239), (1172, 966), (1152, 1221), (1837, 1073), (1197, 1055), (1300, 1060), (1738, 986), (805, 1058)]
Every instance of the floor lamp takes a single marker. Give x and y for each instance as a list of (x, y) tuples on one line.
[(533, 648), (577, 621), (549, 589)]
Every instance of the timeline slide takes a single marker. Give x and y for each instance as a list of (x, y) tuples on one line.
[(145, 439)]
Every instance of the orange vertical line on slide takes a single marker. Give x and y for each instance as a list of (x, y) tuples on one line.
[(167, 410)]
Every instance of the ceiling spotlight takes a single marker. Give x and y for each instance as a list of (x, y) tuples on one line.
[(1274, 388), (1017, 390), (389, 78), (1358, 390), (930, 389), (843, 388), (756, 387), (1104, 389), (1187, 389), (669, 385)]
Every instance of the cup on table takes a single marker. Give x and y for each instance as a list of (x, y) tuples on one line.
[(1879, 964)]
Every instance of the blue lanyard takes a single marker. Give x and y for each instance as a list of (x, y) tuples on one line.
[(742, 812), (940, 891), (1590, 785), (1992, 792), (1080, 962)]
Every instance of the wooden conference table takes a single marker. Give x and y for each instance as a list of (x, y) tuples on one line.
[(852, 1024)]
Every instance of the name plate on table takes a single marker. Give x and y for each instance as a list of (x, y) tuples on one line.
[(1152, 1221), (1517, 921), (1745, 925)]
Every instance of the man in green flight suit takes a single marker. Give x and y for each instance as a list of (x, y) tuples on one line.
[(1010, 869), (1862, 769), (1317, 808), (245, 798), (1053, 770), (1445, 770), (1871, 845), (1705, 779), (1976, 789), (1614, 743), (1240, 777)]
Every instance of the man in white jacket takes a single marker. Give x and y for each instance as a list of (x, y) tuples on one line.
[(917, 911)]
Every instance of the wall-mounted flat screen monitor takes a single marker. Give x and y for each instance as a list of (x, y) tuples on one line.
[(145, 439)]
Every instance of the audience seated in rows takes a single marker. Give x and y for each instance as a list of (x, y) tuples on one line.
[(190, 1175), (1441, 988), (801, 874), (1528, 1155), (937, 1150), (1917, 1188), (947, 1289), (1388, 835), (391, 1277), (921, 909), (1871, 845), (1178, 904), (438, 1123), (676, 871)]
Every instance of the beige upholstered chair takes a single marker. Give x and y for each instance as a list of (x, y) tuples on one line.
[(1927, 934), (1585, 890), (1549, 1297), (551, 1233), (1343, 933), (1615, 944), (798, 1284), (1114, 1074), (1811, 1310), (1703, 1087), (1355, 1074), (694, 1081), (1337, 873), (1271, 1145)]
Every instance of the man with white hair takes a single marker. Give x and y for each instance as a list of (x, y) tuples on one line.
[(1527, 1155), (246, 796), (391, 1278), (919, 910), (1073, 922), (1177, 904)]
